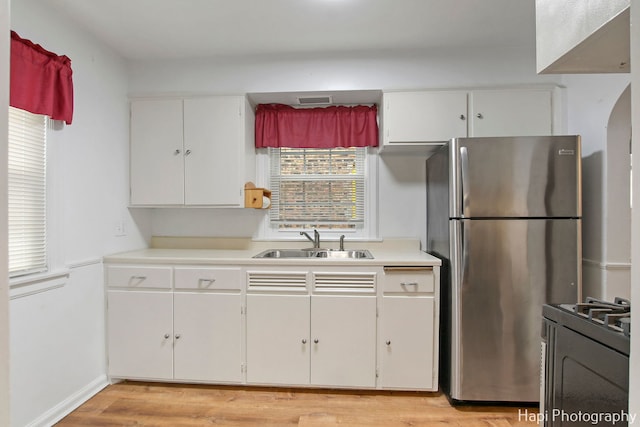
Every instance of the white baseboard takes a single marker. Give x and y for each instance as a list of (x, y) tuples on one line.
[(71, 403)]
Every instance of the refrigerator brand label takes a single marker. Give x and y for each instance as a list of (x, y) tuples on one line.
[(566, 152)]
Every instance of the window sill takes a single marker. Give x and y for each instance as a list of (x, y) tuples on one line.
[(36, 283)]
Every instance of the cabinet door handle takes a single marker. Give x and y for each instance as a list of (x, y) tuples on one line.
[(175, 153), (408, 283), (177, 336), (304, 340), (388, 342), (316, 341), (186, 153), (480, 116), (462, 117), (166, 336)]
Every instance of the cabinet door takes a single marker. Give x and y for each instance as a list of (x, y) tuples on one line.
[(343, 340), (407, 343), (510, 113), (140, 334), (157, 162), (424, 116), (213, 132), (278, 339), (208, 337)]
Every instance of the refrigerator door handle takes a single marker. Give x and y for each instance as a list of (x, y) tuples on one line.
[(458, 266), (464, 172)]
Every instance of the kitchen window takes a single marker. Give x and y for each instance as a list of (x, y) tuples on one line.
[(27, 193), (325, 189)]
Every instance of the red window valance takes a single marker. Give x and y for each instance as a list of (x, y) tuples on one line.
[(279, 125), (41, 81)]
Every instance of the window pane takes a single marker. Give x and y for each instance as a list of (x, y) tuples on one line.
[(27, 192), (317, 188)]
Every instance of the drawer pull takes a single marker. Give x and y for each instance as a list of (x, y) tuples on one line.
[(208, 280), (408, 283), (400, 269), (138, 277)]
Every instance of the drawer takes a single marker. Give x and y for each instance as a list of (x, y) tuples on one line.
[(408, 280), (139, 277), (208, 278)]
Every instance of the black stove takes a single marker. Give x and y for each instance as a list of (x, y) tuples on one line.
[(585, 370), (607, 322)]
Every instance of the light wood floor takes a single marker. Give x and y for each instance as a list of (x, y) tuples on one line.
[(153, 404)]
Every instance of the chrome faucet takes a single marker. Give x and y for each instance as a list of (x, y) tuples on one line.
[(315, 239)]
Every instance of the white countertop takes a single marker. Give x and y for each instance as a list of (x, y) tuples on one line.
[(200, 251)]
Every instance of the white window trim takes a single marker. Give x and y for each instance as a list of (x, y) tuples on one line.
[(368, 232)]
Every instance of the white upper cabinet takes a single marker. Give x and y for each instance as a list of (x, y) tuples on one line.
[(193, 151), (411, 117), (213, 142), (582, 36), (157, 165), (423, 120), (510, 113)]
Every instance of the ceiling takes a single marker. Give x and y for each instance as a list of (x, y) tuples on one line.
[(171, 29)]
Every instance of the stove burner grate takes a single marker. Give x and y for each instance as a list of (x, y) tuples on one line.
[(614, 315)]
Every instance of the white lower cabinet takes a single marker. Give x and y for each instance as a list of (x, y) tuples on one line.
[(278, 340), (319, 340), (140, 338), (208, 337), (324, 327), (343, 335), (408, 339), (407, 347), (193, 336), (312, 327)]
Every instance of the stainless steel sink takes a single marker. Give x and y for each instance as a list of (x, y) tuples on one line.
[(287, 253), (357, 253), (315, 253)]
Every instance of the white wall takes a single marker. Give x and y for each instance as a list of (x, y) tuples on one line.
[(634, 362), (590, 100), (4, 288), (58, 337), (402, 198)]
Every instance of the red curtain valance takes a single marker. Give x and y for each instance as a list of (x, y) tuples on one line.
[(41, 81), (279, 125)]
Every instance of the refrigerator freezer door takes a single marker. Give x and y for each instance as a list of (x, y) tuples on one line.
[(516, 177), (502, 273)]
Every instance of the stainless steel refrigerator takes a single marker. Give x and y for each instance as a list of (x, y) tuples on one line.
[(504, 215)]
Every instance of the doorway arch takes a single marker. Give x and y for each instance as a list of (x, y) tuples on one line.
[(617, 200)]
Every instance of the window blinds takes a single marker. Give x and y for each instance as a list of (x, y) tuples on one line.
[(27, 192), (322, 188)]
